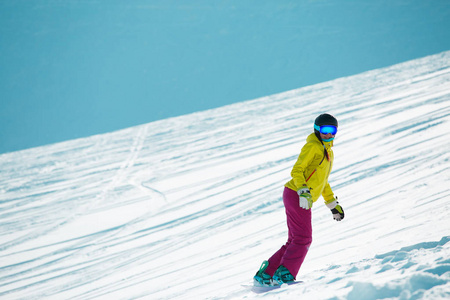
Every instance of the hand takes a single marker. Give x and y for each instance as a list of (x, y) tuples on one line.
[(336, 210), (338, 213), (305, 198)]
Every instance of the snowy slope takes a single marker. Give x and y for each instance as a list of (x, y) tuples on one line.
[(188, 207)]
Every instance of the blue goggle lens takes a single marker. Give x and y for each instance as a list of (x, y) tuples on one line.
[(326, 129)]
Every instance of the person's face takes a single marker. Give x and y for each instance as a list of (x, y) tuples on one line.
[(326, 136)]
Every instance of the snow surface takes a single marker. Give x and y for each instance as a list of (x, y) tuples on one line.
[(188, 207)]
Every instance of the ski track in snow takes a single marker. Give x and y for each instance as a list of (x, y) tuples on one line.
[(188, 207)]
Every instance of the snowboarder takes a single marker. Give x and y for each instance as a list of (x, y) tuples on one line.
[(309, 181)]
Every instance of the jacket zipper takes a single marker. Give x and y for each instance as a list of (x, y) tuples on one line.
[(311, 175)]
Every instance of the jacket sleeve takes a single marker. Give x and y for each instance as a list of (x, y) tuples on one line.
[(328, 194), (304, 160)]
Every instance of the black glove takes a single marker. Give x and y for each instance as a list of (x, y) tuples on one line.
[(336, 210)]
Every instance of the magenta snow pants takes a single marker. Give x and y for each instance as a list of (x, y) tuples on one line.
[(292, 254)]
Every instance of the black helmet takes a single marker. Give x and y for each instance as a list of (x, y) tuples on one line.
[(324, 119)]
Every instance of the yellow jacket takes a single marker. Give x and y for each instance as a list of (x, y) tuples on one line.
[(313, 168)]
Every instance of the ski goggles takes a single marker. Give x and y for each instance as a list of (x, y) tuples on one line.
[(326, 129)]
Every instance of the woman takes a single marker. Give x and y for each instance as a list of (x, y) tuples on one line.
[(309, 181)]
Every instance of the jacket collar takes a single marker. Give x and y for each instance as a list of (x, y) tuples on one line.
[(313, 138)]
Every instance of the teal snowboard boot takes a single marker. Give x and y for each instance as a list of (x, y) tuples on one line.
[(282, 275), (262, 278)]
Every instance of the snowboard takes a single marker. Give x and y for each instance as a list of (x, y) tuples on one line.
[(264, 289)]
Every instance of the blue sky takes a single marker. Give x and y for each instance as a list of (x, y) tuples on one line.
[(72, 69)]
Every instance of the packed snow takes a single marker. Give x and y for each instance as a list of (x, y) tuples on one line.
[(189, 207)]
